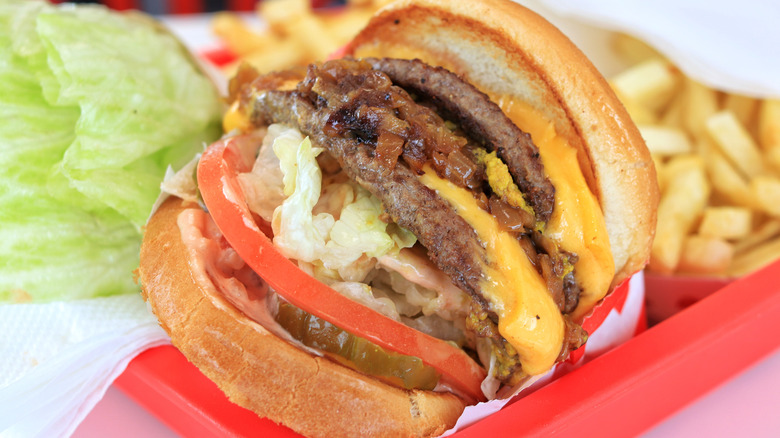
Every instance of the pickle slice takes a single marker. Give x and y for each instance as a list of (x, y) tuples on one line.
[(407, 372)]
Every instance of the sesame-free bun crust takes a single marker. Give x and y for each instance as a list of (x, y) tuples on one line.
[(261, 372), (504, 49)]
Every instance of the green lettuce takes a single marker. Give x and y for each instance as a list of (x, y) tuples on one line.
[(334, 243), (95, 105)]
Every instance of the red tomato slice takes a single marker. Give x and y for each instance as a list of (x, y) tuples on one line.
[(225, 201)]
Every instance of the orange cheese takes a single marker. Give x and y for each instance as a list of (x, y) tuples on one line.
[(577, 223), (527, 315), (234, 118)]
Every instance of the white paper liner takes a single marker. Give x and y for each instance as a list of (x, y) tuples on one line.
[(620, 325), (727, 45), (58, 359)]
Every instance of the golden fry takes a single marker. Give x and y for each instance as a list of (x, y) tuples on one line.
[(705, 255), (769, 124), (665, 141), (279, 13), (735, 143), (680, 207), (650, 84), (311, 37), (758, 257), (285, 56), (766, 192), (726, 222), (673, 115), (701, 102), (633, 50), (769, 131), (727, 182), (345, 25), (743, 107), (236, 36), (766, 231)]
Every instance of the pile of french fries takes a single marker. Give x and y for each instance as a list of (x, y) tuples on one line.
[(293, 34), (717, 155)]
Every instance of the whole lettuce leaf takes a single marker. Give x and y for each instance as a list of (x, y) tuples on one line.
[(94, 105)]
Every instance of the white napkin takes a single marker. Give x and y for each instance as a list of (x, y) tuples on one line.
[(57, 359), (732, 46)]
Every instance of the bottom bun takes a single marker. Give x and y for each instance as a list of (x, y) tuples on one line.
[(261, 372)]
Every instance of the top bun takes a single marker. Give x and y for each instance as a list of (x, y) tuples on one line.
[(504, 49)]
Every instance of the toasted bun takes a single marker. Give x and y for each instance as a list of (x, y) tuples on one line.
[(504, 49), (261, 372)]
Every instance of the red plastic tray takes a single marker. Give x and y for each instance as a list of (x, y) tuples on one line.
[(631, 387)]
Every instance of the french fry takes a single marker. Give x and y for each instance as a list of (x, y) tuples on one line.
[(234, 33), (633, 50), (743, 107), (680, 164), (284, 56), (727, 182), (300, 30), (705, 148), (638, 112), (665, 141), (700, 103), (769, 131), (279, 13), (769, 124), (705, 255), (673, 115), (766, 231), (726, 222), (773, 159), (344, 26), (735, 142), (766, 192), (649, 84), (681, 205), (758, 257)]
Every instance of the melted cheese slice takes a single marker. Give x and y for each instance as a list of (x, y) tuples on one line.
[(234, 118), (577, 223), (527, 315)]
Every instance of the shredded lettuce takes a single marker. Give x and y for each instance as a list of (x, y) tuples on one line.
[(336, 243), (95, 106)]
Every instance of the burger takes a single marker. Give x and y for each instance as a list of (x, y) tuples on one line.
[(420, 224)]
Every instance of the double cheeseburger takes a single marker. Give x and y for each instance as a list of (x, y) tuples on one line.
[(382, 239)]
